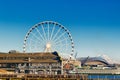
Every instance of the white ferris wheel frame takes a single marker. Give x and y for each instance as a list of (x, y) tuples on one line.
[(49, 36)]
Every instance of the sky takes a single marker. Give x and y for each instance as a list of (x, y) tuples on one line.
[(94, 24)]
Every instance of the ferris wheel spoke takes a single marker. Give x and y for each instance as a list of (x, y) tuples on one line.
[(57, 48), (48, 31), (60, 48), (56, 44), (66, 45), (56, 33), (59, 41), (44, 31), (59, 37), (39, 33), (36, 37), (52, 31), (38, 42), (31, 46), (62, 45), (32, 43)]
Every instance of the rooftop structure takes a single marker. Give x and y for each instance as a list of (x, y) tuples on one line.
[(100, 62), (31, 62)]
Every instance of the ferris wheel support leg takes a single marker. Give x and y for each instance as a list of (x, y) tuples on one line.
[(62, 68)]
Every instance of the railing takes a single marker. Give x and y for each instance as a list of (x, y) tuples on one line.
[(33, 76), (98, 71)]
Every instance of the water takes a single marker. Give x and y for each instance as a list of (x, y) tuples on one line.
[(106, 76)]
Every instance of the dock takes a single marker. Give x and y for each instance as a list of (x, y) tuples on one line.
[(42, 77)]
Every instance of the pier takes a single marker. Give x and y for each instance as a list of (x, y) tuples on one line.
[(42, 77)]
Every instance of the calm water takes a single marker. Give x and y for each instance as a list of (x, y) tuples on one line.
[(110, 77)]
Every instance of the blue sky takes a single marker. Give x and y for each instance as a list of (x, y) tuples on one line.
[(94, 24)]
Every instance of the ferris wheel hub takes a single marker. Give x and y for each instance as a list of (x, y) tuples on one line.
[(48, 45)]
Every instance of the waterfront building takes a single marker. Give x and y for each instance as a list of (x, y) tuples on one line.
[(36, 63), (32, 63)]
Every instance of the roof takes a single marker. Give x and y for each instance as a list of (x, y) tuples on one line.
[(101, 59), (28, 57)]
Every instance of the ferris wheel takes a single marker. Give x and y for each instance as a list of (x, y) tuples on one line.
[(48, 36)]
